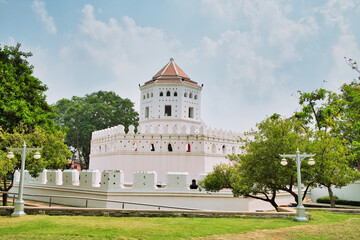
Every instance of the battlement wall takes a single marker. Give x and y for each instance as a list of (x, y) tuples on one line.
[(165, 139), (109, 180)]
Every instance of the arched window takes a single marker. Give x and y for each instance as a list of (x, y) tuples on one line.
[(187, 147), (168, 94), (99, 149), (185, 94), (170, 147), (152, 147), (147, 95), (161, 94), (190, 95), (144, 96), (223, 149), (134, 147), (195, 97), (213, 148), (175, 94), (152, 94)]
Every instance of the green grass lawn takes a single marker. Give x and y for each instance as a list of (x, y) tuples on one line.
[(324, 225)]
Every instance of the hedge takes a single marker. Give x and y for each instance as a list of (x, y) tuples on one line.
[(338, 201)]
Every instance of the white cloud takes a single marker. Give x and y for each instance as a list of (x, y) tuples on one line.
[(48, 21), (268, 20), (340, 72), (117, 54)]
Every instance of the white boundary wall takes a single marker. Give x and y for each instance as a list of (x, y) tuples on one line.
[(177, 194), (349, 192)]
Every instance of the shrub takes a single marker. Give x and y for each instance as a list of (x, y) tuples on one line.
[(338, 201)]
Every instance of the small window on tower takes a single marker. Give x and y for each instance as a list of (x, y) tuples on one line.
[(170, 147), (146, 112), (144, 96), (187, 147), (190, 95), (185, 94), (167, 110), (152, 94), (175, 94), (168, 94), (191, 112), (195, 97), (161, 94), (147, 95)]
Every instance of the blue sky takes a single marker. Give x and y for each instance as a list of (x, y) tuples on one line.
[(251, 56)]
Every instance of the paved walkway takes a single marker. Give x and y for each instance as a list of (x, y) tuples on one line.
[(32, 203)]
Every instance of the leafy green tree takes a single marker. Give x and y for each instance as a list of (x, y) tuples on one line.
[(22, 99), (257, 172), (323, 114), (25, 116), (54, 154), (95, 111)]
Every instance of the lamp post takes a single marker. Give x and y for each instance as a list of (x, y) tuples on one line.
[(300, 209), (19, 204)]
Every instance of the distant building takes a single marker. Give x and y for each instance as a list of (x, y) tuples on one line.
[(171, 136)]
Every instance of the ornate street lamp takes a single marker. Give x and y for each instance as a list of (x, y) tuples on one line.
[(300, 209), (19, 204)]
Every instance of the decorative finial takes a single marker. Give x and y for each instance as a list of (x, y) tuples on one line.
[(171, 59)]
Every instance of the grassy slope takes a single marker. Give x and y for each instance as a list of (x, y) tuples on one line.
[(324, 226)]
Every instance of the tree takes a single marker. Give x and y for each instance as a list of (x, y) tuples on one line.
[(323, 115), (25, 116), (95, 111), (257, 171), (54, 154), (22, 99)]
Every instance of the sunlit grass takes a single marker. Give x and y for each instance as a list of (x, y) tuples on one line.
[(82, 227)]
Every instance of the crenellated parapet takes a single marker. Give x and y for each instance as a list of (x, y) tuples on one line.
[(109, 180), (180, 139)]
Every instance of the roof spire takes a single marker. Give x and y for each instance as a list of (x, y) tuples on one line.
[(171, 59)]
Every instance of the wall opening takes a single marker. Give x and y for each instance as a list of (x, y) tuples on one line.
[(147, 95), (185, 94), (233, 150), (195, 97), (167, 110), (191, 112), (161, 94), (213, 148), (152, 94), (224, 149), (175, 94), (190, 95), (152, 147), (168, 94), (146, 112), (170, 147), (187, 147)]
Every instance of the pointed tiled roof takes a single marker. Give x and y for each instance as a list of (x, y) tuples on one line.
[(171, 72), (171, 69)]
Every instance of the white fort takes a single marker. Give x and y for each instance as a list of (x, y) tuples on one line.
[(171, 137)]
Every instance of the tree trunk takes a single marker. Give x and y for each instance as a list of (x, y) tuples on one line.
[(274, 204), (4, 196), (331, 196), (4, 199)]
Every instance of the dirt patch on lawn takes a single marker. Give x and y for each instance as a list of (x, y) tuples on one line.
[(343, 230)]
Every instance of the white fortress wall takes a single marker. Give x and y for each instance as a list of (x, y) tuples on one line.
[(161, 149), (177, 192)]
